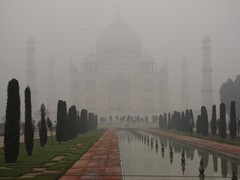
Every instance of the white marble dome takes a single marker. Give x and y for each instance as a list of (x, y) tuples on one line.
[(118, 39)]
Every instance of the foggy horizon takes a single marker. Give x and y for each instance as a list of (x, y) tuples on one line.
[(168, 29)]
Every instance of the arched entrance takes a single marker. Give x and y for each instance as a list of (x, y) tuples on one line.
[(119, 94)]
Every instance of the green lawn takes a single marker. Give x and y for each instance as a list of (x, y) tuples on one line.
[(72, 150)]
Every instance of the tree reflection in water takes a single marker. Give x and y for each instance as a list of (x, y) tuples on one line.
[(224, 167), (215, 163), (205, 157), (179, 151)]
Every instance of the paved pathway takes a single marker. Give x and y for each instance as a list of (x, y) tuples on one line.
[(215, 146), (101, 161)]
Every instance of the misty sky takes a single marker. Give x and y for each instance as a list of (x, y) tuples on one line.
[(68, 29)]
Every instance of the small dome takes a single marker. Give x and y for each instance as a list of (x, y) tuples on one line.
[(91, 57), (118, 39), (146, 57)]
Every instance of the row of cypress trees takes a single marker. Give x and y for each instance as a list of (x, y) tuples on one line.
[(219, 125), (71, 123), (184, 121), (68, 124), (180, 121)]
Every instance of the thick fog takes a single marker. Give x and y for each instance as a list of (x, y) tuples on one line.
[(169, 29)]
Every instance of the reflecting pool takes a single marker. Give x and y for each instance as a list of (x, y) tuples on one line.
[(148, 156)]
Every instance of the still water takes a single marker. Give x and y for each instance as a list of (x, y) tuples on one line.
[(148, 156)]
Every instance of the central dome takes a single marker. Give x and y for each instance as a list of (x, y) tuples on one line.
[(118, 39)]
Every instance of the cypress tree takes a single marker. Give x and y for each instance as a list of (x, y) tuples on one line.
[(65, 122), (72, 121), (199, 124), (233, 121), (12, 126), (28, 130), (169, 124), (186, 120), (84, 119), (183, 124), (60, 123), (43, 127), (95, 121), (191, 121), (50, 126), (165, 121), (214, 121), (222, 123), (159, 121), (81, 122), (204, 118)]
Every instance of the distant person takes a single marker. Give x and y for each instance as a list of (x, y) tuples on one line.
[(190, 125)]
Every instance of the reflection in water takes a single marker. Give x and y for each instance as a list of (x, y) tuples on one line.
[(156, 146), (224, 167), (215, 163), (142, 162), (171, 159), (183, 164), (234, 168), (205, 157), (201, 168)]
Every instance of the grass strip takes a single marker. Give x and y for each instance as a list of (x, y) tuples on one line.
[(216, 138), (72, 150)]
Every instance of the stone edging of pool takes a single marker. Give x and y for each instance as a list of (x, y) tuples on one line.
[(208, 146)]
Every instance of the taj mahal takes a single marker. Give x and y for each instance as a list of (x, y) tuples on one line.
[(118, 78)]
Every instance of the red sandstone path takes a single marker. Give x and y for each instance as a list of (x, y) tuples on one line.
[(220, 147), (101, 161)]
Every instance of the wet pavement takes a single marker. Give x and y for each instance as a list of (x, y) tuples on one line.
[(101, 161)]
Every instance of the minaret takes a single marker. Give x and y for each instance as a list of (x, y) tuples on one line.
[(184, 85), (52, 104), (74, 88), (207, 91), (31, 73)]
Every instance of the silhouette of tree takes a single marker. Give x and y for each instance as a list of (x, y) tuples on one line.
[(28, 130), (72, 120), (50, 126), (95, 121), (222, 123), (230, 91), (12, 124), (204, 119), (199, 124), (60, 122), (233, 121), (83, 122), (43, 127), (214, 121), (65, 122)]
